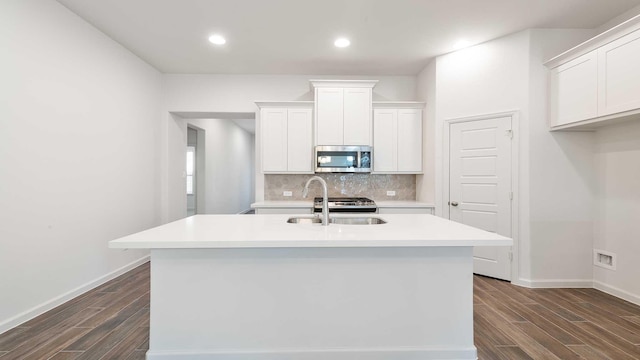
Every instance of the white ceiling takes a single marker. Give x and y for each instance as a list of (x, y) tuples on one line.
[(389, 37)]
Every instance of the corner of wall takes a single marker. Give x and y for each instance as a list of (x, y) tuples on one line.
[(426, 92), (559, 231)]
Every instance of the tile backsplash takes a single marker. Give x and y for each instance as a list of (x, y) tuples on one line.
[(368, 185)]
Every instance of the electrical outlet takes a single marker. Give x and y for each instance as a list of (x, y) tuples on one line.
[(391, 193), (287, 193), (604, 259)]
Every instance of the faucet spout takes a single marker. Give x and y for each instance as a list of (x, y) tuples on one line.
[(325, 197)]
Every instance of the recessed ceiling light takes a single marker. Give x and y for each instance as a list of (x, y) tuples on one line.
[(461, 44), (342, 42), (217, 39)]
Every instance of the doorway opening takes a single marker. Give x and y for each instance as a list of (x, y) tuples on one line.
[(211, 163), (192, 171)]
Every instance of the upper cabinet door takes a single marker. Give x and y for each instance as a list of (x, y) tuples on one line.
[(409, 140), (273, 127), (385, 140), (329, 116), (397, 141), (619, 75), (300, 140), (357, 116), (574, 90)]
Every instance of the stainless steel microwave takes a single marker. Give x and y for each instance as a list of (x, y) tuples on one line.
[(343, 159)]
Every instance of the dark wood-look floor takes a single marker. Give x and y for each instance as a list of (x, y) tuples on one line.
[(518, 323), (112, 322), (108, 322)]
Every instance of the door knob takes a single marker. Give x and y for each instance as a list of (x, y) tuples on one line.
[(454, 203)]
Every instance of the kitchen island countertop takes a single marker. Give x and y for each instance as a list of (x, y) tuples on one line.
[(272, 231)]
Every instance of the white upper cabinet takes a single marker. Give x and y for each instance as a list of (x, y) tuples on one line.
[(357, 116), (598, 81), (273, 131), (410, 140), (343, 111), (286, 133), (619, 70), (385, 140), (300, 140), (329, 116), (574, 90), (397, 138)]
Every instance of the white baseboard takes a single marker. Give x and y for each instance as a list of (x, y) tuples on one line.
[(612, 290), (313, 354), (61, 299), (554, 283)]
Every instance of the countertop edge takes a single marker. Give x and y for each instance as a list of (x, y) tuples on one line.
[(271, 244)]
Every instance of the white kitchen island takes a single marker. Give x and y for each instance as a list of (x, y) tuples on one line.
[(240, 287)]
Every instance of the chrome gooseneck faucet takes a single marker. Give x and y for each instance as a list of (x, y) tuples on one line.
[(325, 197)]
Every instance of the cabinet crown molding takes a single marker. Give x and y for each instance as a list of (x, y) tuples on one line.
[(343, 83), (262, 104), (595, 42), (398, 105)]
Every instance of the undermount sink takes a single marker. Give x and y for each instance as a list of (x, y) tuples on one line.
[(304, 220), (367, 220)]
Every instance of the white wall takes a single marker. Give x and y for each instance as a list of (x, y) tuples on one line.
[(485, 79), (238, 93), (617, 205), (618, 20), (507, 74), (561, 178), (229, 178), (78, 155), (617, 228), (426, 92)]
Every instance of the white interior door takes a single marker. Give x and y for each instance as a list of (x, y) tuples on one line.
[(480, 186)]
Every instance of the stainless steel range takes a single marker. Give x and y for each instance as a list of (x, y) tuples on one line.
[(346, 204)]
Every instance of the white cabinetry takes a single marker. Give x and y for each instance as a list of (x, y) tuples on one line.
[(343, 111), (283, 207), (286, 134), (397, 138), (329, 116), (574, 90), (619, 71), (357, 116), (404, 207), (598, 81)]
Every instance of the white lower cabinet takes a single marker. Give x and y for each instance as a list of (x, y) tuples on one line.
[(287, 139), (405, 210), (397, 141), (283, 210)]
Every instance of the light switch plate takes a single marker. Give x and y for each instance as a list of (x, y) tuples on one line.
[(287, 193), (391, 193)]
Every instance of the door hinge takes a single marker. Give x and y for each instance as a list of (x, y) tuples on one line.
[(510, 256), (511, 195), (510, 134)]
